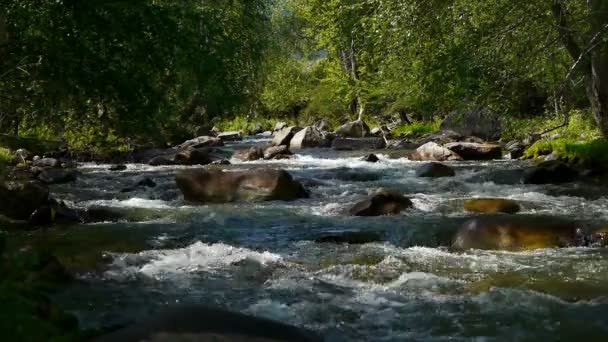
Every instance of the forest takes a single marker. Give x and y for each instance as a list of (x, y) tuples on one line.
[(107, 74)]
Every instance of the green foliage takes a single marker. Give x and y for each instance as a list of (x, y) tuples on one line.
[(418, 128), (580, 127), (5, 159), (585, 153)]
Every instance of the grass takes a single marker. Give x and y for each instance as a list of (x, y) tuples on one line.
[(5, 158), (246, 125), (584, 153), (418, 128)]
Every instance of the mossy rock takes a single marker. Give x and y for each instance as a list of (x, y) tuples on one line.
[(491, 206), (516, 233)]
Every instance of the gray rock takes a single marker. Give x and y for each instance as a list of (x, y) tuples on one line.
[(274, 151), (47, 162), (230, 136), (479, 122), (307, 138), (280, 125), (323, 125), (435, 170), (249, 154), (202, 141), (283, 136), (355, 129), (350, 144)]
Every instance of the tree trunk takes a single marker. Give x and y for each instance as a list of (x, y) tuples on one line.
[(592, 59), (597, 90)]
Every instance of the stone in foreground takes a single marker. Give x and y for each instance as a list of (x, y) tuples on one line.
[(491, 206), (515, 233), (435, 152), (198, 323), (216, 186), (435, 170), (475, 151), (382, 202)]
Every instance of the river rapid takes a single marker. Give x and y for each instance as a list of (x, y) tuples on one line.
[(261, 258)]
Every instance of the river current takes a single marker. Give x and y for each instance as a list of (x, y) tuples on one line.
[(261, 258)]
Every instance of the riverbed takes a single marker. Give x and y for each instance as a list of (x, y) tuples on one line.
[(261, 258)]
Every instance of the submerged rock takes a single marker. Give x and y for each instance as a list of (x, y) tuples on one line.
[(551, 172), (216, 186), (350, 144), (382, 202), (433, 151), (355, 129), (515, 233), (198, 323), (491, 206), (435, 170), (353, 238), (475, 151), (146, 182)]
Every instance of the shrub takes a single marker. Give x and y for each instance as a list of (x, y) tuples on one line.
[(418, 128), (585, 153)]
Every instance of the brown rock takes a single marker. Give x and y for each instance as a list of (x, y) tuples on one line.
[(216, 186), (435, 152), (249, 154), (491, 206), (475, 151), (382, 202)]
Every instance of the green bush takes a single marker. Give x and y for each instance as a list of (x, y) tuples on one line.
[(5, 159)]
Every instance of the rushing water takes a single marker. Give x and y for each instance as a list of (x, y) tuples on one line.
[(261, 258)]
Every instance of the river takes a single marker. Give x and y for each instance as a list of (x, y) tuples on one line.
[(261, 258)]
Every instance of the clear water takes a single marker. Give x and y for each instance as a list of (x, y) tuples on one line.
[(261, 259)]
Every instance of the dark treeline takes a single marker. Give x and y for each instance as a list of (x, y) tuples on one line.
[(103, 73)]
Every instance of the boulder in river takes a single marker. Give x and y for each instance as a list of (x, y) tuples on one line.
[(382, 202), (274, 151), (353, 144), (323, 125), (58, 176), (441, 137), (279, 126), (118, 167), (435, 152), (216, 186), (198, 323), (550, 172), (162, 160), (146, 182), (47, 162), (491, 206), (371, 158), (479, 122), (249, 154), (306, 138), (193, 156), (355, 129), (283, 136), (403, 144), (21, 199), (230, 136), (202, 141), (515, 232), (434, 170), (475, 151)]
